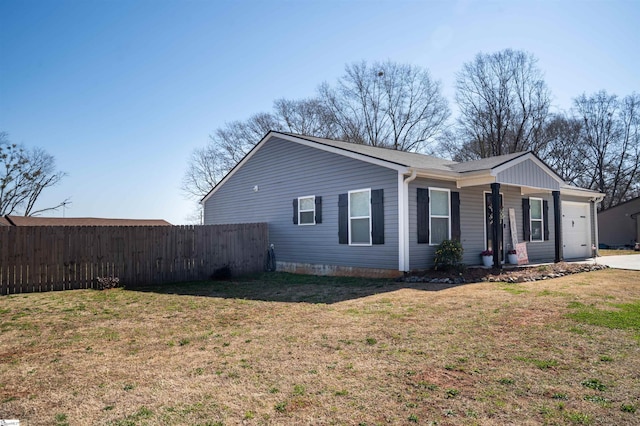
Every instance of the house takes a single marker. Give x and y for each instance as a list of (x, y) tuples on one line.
[(341, 208), (619, 226), (78, 221)]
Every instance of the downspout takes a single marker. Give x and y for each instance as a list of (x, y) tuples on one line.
[(596, 201), (404, 220)]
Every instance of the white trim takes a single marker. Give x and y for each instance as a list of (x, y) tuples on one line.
[(368, 190), (403, 221), (448, 191), (541, 220), (313, 200)]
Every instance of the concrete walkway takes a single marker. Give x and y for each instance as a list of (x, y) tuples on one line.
[(629, 261)]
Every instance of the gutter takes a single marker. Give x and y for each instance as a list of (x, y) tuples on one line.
[(403, 219)]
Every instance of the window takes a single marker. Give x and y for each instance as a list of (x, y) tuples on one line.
[(360, 217), (439, 216), (307, 210), (536, 219)]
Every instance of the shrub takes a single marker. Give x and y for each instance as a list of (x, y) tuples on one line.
[(105, 283), (448, 255)]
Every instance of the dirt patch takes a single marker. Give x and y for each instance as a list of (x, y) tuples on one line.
[(510, 275)]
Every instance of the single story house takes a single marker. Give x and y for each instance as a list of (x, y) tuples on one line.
[(340, 208), (11, 220), (619, 226)]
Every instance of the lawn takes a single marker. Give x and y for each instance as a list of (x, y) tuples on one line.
[(281, 349)]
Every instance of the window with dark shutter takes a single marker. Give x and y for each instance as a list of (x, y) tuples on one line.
[(423, 216), (545, 217), (295, 211), (318, 209), (343, 219), (377, 216), (455, 216), (526, 223)]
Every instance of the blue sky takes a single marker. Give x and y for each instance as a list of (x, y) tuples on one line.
[(121, 92)]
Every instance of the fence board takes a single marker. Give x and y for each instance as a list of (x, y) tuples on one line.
[(72, 257)]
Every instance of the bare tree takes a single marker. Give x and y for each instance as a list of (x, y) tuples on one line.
[(305, 117), (390, 105), (562, 148), (503, 102), (24, 174), (611, 137), (387, 104)]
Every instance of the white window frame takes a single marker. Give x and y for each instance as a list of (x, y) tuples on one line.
[(431, 215), (300, 211), (531, 220), (368, 190)]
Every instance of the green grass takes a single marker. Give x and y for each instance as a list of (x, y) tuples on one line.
[(623, 316)]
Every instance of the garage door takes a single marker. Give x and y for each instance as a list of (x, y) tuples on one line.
[(576, 231)]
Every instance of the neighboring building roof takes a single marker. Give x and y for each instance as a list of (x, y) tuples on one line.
[(80, 221), (624, 203)]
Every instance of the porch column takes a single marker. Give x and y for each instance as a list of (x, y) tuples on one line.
[(496, 230), (557, 224)]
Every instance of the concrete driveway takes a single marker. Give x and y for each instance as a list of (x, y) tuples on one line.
[(629, 261)]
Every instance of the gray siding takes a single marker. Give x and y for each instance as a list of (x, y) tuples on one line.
[(285, 170), (528, 173), (472, 224), (616, 226)]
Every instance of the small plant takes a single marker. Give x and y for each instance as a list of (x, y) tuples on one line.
[(628, 408), (413, 418), (606, 358), (512, 251), (560, 396), (487, 253), (594, 384), (281, 407), (452, 393), (106, 283), (448, 255), (506, 381), (299, 390), (371, 341)]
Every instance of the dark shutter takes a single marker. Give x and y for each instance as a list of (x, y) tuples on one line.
[(526, 224), (295, 211), (455, 216), (318, 209), (343, 219), (377, 216), (545, 219), (423, 216)]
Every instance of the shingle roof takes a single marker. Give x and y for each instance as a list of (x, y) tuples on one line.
[(485, 163), (408, 159), (81, 221)]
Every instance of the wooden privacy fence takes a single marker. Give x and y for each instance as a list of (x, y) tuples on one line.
[(44, 258)]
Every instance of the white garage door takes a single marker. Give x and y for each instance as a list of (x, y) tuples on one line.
[(576, 231)]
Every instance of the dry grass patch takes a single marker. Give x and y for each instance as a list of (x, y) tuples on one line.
[(610, 252), (286, 349)]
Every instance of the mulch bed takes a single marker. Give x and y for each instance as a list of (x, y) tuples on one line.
[(509, 274)]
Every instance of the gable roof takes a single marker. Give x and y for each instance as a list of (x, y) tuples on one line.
[(80, 221), (471, 172)]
